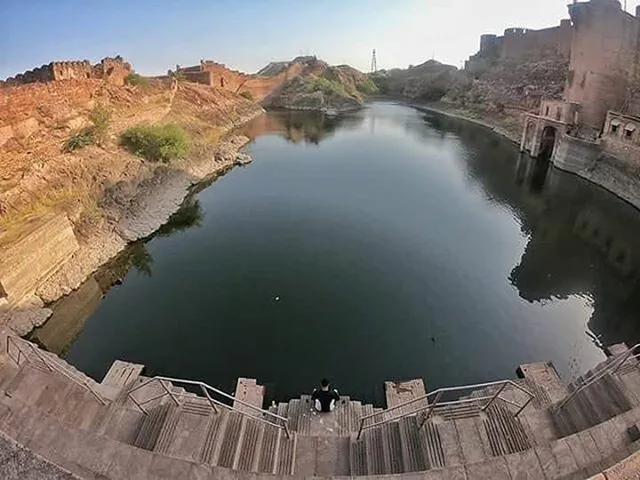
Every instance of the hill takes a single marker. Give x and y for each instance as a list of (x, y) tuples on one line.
[(312, 84), (429, 81)]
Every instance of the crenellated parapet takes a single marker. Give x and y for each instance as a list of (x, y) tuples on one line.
[(113, 70)]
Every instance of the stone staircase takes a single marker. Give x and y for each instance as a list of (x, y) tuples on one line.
[(190, 431), (181, 435), (602, 393)]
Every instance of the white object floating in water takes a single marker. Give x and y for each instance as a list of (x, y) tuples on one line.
[(277, 298)]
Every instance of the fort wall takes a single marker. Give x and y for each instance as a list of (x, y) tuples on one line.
[(112, 70), (604, 57), (523, 43)]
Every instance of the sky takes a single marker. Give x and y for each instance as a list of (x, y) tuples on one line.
[(155, 35)]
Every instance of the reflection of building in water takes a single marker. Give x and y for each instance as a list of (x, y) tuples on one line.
[(68, 318), (595, 229), (581, 240)]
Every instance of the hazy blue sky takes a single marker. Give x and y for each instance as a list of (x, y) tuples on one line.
[(246, 34)]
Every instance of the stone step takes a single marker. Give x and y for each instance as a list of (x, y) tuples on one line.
[(270, 444), (375, 452), (444, 449), (294, 412), (231, 440), (413, 457), (305, 414), (453, 412), (213, 438), (283, 409), (82, 410), (470, 439), (358, 458), (434, 455), (199, 406), (151, 427), (122, 424), (506, 434), (168, 429), (286, 454), (249, 451), (392, 448), (630, 381)]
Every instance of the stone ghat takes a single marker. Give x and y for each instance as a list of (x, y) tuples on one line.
[(61, 424)]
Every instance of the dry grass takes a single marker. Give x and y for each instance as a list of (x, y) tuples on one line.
[(42, 202)]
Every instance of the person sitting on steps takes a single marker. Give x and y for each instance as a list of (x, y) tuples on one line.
[(325, 399)]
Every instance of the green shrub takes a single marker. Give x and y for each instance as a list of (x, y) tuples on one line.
[(157, 143), (136, 80), (320, 84), (368, 87), (96, 134), (100, 118), (79, 140), (247, 94)]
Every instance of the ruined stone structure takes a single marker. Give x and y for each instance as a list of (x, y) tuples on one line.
[(604, 59), (521, 43), (214, 74), (597, 115), (112, 70), (260, 85)]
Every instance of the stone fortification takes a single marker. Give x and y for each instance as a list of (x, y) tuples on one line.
[(113, 70)]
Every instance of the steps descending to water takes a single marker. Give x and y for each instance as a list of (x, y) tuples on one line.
[(607, 390), (465, 437)]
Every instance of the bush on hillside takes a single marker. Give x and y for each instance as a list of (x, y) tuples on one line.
[(157, 143), (96, 134), (320, 84), (79, 140), (368, 87), (136, 80), (100, 117)]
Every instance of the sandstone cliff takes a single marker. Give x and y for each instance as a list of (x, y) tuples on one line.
[(109, 195)]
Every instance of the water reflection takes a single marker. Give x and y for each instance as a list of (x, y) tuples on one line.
[(300, 126), (71, 312), (581, 240)]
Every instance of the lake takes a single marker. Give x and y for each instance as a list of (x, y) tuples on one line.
[(384, 244)]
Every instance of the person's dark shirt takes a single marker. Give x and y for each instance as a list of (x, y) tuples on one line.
[(325, 397)]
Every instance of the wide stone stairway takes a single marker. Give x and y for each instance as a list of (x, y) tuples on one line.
[(129, 426)]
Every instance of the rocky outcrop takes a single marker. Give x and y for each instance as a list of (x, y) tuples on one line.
[(318, 86)]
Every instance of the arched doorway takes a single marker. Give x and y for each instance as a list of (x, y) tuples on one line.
[(547, 142)]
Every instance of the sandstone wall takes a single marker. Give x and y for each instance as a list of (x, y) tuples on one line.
[(205, 78), (522, 43), (71, 70), (40, 74), (603, 57), (33, 252), (112, 70)]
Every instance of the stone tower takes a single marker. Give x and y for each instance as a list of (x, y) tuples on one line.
[(604, 54)]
